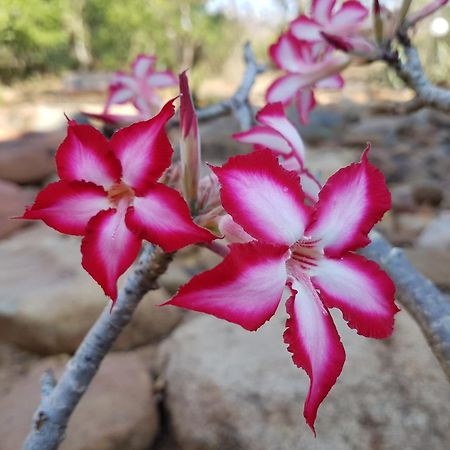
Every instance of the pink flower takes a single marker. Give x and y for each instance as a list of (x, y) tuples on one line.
[(309, 65), (311, 249), (140, 86), (279, 135), (344, 23), (109, 193)]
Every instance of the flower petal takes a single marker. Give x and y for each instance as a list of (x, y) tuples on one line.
[(264, 137), (305, 103), (314, 343), (144, 149), (311, 187), (361, 290), (333, 82), (108, 249), (232, 231), (162, 217), (85, 155), (245, 288), (262, 197), (162, 79), (283, 89), (306, 29), (321, 10), (119, 94), (67, 206), (143, 64), (351, 15), (272, 115), (287, 54), (352, 201)]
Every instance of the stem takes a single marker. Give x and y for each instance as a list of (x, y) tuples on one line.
[(58, 401), (420, 297)]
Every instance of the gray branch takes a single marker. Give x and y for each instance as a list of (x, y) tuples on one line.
[(59, 400), (410, 70), (238, 104), (420, 297)]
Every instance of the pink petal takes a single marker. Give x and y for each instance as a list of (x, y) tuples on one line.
[(321, 10), (262, 197), (67, 206), (333, 82), (162, 217), (351, 14), (352, 201), (283, 89), (272, 115), (85, 155), (144, 149), (232, 231), (311, 187), (162, 79), (305, 103), (118, 95), (122, 79), (245, 288), (314, 343), (264, 137), (287, 54), (143, 64), (361, 290), (304, 28), (108, 249)]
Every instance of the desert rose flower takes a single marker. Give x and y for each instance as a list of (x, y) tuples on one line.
[(278, 134), (139, 87), (309, 249), (308, 66), (109, 193)]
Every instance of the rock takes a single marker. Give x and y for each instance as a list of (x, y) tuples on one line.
[(428, 193), (437, 233), (29, 159), (434, 263), (402, 198), (14, 200), (48, 302), (231, 389), (117, 412), (323, 162)]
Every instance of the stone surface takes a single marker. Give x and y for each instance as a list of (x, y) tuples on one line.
[(117, 412), (48, 302), (229, 389), (14, 200), (29, 159), (437, 233)]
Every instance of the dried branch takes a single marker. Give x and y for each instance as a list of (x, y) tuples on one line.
[(410, 70), (238, 104), (59, 400), (420, 297)]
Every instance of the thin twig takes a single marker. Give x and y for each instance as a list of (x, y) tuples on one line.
[(420, 297), (59, 401)]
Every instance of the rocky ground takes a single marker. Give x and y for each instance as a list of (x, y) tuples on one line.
[(178, 381)]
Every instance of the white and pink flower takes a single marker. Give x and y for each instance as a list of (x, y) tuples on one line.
[(109, 193), (139, 87), (308, 65), (309, 249), (278, 134)]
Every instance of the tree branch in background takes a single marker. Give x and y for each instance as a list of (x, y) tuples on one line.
[(58, 400), (420, 297)]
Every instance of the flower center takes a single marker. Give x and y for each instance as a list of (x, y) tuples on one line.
[(306, 253), (120, 191)]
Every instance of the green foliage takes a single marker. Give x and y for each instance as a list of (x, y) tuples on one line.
[(47, 35)]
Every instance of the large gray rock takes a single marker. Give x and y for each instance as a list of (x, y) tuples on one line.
[(117, 412), (48, 302), (437, 233), (230, 389)]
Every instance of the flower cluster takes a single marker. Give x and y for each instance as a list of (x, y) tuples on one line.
[(285, 229)]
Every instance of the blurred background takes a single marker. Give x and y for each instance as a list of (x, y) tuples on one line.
[(180, 381)]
